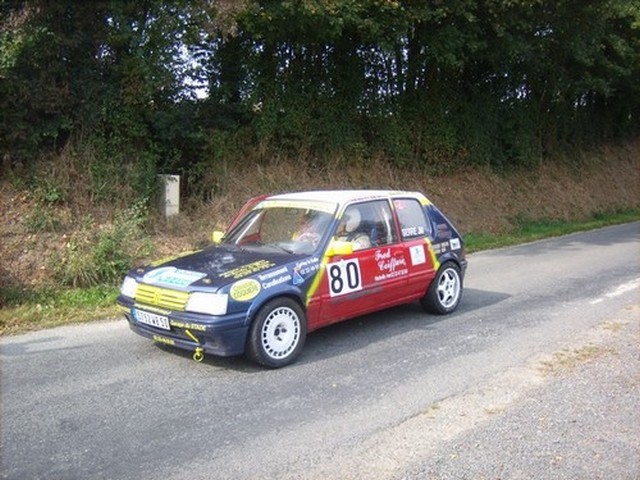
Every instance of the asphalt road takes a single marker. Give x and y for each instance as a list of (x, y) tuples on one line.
[(537, 375)]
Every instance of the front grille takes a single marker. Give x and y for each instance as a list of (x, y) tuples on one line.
[(161, 297)]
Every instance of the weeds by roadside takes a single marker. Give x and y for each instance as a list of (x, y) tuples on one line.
[(101, 254), (31, 309)]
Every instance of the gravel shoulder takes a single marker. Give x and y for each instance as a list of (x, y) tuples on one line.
[(572, 414), (581, 422)]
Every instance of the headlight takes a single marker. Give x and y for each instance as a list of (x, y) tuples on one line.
[(129, 287), (210, 303)]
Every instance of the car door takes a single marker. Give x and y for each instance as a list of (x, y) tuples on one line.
[(374, 275)]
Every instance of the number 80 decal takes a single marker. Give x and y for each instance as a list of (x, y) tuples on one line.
[(344, 277)]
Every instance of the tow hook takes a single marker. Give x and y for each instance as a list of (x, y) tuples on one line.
[(198, 355)]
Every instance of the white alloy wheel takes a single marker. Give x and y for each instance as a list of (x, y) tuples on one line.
[(280, 332), (449, 288), (277, 333), (443, 295)]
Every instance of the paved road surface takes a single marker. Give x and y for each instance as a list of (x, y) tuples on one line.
[(535, 376)]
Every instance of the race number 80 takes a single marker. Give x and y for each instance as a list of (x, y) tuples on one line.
[(344, 277)]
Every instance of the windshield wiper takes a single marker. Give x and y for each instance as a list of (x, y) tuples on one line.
[(284, 249)]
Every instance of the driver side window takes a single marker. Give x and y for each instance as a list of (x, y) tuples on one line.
[(367, 225)]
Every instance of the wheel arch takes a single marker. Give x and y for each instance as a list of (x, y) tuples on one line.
[(451, 257), (431, 301), (276, 337), (256, 306)]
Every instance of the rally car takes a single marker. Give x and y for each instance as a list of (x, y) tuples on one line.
[(292, 263)]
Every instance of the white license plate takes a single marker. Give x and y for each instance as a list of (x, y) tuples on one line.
[(158, 321)]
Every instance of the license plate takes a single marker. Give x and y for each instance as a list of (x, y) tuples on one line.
[(158, 321)]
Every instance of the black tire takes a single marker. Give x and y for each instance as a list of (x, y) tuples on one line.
[(277, 334), (445, 291)]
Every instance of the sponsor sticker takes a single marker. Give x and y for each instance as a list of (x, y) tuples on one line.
[(297, 278), (245, 290), (248, 269), (418, 256), (308, 266), (439, 248), (274, 277), (187, 325), (304, 269), (165, 340), (172, 277), (272, 274), (413, 232), (276, 281), (389, 266)]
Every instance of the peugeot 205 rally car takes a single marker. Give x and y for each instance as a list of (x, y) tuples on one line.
[(292, 263)]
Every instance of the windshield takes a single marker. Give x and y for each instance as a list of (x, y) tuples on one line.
[(292, 229)]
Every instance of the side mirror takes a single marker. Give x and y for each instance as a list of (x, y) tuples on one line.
[(217, 237), (337, 247)]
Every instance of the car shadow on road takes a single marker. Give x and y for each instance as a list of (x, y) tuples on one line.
[(474, 299), (359, 332)]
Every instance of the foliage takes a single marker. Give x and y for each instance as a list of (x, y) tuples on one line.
[(83, 72), (102, 254), (187, 86), (44, 219)]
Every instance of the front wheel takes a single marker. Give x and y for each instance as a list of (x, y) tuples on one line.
[(443, 295), (277, 333)]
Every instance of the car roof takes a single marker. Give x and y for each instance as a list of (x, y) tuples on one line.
[(342, 197)]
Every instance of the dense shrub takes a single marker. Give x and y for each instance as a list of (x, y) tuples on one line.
[(100, 254)]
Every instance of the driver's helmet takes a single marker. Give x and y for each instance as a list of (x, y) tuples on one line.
[(352, 219)]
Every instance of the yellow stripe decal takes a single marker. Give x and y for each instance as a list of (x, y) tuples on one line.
[(432, 254), (323, 266), (316, 281)]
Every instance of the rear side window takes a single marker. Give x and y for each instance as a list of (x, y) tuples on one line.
[(413, 222)]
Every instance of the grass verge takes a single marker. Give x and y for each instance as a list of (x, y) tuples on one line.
[(24, 310), (529, 231)]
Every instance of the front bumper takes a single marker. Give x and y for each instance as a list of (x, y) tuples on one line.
[(223, 336)]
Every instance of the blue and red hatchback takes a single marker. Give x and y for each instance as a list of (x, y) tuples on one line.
[(290, 264)]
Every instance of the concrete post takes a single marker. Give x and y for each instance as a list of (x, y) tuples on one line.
[(169, 194)]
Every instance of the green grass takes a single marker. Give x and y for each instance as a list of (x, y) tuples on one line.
[(23, 310), (28, 309), (528, 231)]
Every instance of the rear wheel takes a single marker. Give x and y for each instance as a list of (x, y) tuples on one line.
[(277, 334), (443, 295)]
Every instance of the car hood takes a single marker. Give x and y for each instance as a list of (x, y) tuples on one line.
[(214, 267)]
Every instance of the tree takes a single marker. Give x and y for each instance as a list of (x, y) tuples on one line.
[(439, 82)]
